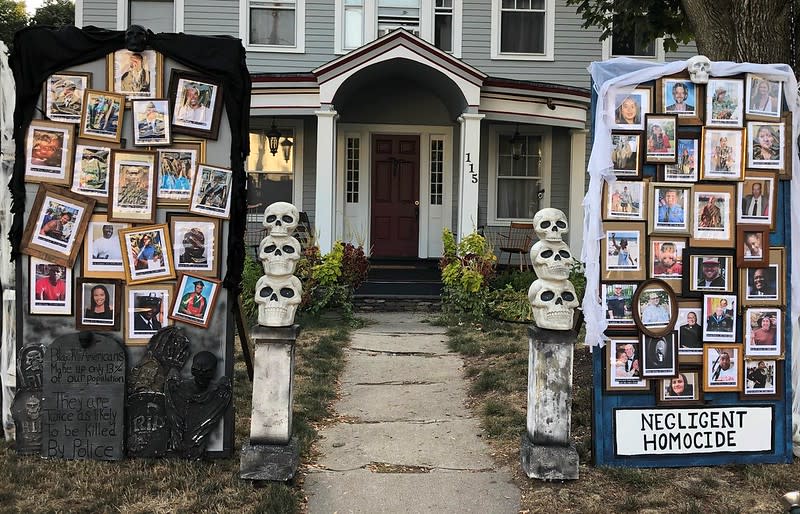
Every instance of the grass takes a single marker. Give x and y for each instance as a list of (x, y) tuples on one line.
[(30, 484)]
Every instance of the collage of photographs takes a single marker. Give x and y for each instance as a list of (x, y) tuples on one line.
[(693, 293), (99, 191)]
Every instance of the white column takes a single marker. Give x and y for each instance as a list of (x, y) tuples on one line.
[(577, 189), (469, 175), (325, 208)]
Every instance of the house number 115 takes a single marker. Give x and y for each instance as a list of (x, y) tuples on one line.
[(471, 170)]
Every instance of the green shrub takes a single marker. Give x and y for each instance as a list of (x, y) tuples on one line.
[(466, 268), (509, 304), (518, 280), (250, 275)]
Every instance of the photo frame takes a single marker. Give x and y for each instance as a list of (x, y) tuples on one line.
[(90, 171), (720, 317), (724, 103), (687, 167), (146, 311), (623, 251), (659, 356), (764, 98), (723, 154), (713, 216), (135, 74), (102, 253), (151, 125), (626, 152), (670, 211), (177, 167), (785, 173), (98, 304), (628, 109), (56, 225), (661, 138), (763, 380), (147, 255), (196, 104), (48, 152), (766, 145), (722, 368), (765, 286), (764, 333), (665, 260), (708, 270), (63, 95), (617, 298), (683, 389), (102, 116), (211, 191), (690, 331), (195, 299), (655, 308), (625, 200), (623, 365), (757, 198), (50, 288), (677, 94), (196, 244), (132, 187), (752, 246)]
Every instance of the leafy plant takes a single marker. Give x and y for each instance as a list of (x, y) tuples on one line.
[(355, 266), (466, 268), (509, 304), (250, 275), (518, 280)]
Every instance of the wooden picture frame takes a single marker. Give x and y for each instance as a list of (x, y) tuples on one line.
[(766, 145), (132, 187), (670, 208), (655, 308), (659, 356), (147, 254), (135, 74), (765, 286), (102, 116), (92, 294), (90, 171), (718, 378), (102, 253), (195, 299), (196, 244), (617, 300), (683, 389), (625, 200), (772, 381), (764, 98), (785, 173), (708, 270), (622, 365), (723, 154), (627, 149), (629, 109), (690, 331), (687, 167), (713, 216), (752, 250), (763, 332), (63, 95), (211, 191), (196, 104), (661, 134), (623, 251), (48, 152), (720, 318), (177, 168), (146, 311), (50, 288), (757, 209), (724, 102), (56, 225), (151, 126), (677, 94), (665, 260)]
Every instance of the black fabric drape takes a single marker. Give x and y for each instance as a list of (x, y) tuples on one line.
[(41, 51)]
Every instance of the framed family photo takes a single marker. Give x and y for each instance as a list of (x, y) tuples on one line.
[(765, 286), (98, 305), (763, 380), (625, 200), (101, 118), (151, 122), (683, 389), (764, 97), (686, 169), (708, 270), (177, 166), (679, 95), (211, 191), (720, 314), (670, 211), (724, 103), (655, 308), (48, 152), (135, 74), (194, 303), (196, 103), (763, 332), (49, 288), (662, 135), (102, 252), (56, 225), (659, 356), (766, 145), (690, 331), (623, 252), (90, 171), (712, 223), (757, 198), (147, 255), (617, 300), (132, 188), (723, 154), (196, 243), (626, 152), (623, 365), (628, 109), (752, 246), (63, 95), (722, 368), (146, 311)]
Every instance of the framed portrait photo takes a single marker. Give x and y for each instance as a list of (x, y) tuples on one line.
[(763, 332), (151, 122), (63, 95), (666, 260), (765, 286), (720, 317), (102, 253), (49, 288), (677, 94), (723, 154), (617, 300), (90, 171), (132, 188), (757, 198), (211, 191), (752, 242), (764, 97), (177, 167), (146, 311), (623, 250), (626, 152), (147, 254), (628, 109), (708, 270), (623, 365), (48, 152), (763, 380), (196, 103), (135, 74), (686, 169), (722, 368), (98, 305), (712, 223), (56, 225), (101, 118), (690, 331), (724, 103), (195, 300), (655, 308), (659, 356), (683, 389), (670, 208), (662, 135), (196, 243), (766, 145), (625, 200)]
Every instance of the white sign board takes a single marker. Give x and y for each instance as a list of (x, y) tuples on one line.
[(690, 431)]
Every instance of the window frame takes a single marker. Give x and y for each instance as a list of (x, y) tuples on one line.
[(296, 125), (659, 50), (549, 35), (299, 37), (124, 14)]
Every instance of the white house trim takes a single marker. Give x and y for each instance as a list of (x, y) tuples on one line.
[(180, 12), (325, 204), (577, 188), (122, 14), (469, 173), (79, 13)]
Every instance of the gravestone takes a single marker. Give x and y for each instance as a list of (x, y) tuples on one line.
[(148, 430), (26, 408), (83, 398)]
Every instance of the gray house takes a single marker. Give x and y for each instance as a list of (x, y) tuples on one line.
[(398, 118)]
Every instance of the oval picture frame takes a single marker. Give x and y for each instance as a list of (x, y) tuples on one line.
[(651, 321)]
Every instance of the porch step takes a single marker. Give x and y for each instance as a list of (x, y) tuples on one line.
[(397, 304), (402, 279)]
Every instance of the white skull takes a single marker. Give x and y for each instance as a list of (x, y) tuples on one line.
[(551, 260), (553, 303), (278, 299), (279, 254), (550, 224), (281, 218), (698, 67)]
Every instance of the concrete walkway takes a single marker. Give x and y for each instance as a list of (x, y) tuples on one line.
[(407, 443)]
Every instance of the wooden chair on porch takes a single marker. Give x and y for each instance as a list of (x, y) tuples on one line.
[(518, 241)]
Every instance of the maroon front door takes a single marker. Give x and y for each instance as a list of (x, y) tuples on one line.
[(395, 196)]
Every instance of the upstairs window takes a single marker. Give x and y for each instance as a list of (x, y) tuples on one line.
[(523, 29), (156, 15), (353, 18), (443, 25), (628, 44), (274, 25), (395, 14)]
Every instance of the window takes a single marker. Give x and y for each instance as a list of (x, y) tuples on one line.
[(395, 14), (443, 25), (353, 159), (353, 24), (437, 171), (158, 16), (523, 29), (273, 26), (271, 176), (628, 45)]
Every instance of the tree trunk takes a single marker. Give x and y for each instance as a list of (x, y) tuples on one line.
[(757, 31)]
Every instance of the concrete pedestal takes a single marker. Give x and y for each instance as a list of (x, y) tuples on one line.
[(273, 462), (548, 462)]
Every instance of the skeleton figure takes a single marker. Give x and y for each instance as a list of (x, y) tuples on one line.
[(31, 360), (551, 260), (136, 38), (550, 224), (699, 67), (279, 255), (281, 218), (553, 303), (278, 298), (168, 349)]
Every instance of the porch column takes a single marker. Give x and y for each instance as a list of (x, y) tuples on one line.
[(468, 173), (325, 205), (577, 188)]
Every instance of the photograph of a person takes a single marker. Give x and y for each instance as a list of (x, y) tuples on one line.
[(712, 273), (666, 258), (712, 224), (625, 153), (147, 255), (90, 171), (99, 302), (151, 125), (197, 104), (147, 309), (690, 333), (623, 251), (686, 169), (102, 116), (682, 389), (670, 210), (655, 308), (64, 95), (724, 103), (48, 152), (761, 283), (723, 154), (136, 74), (132, 190), (763, 97), (660, 356), (722, 368), (625, 200), (761, 378), (720, 314), (102, 252), (763, 332), (661, 138), (751, 251), (196, 244), (629, 109), (679, 96), (211, 192), (49, 288), (618, 301), (757, 197), (195, 299), (766, 145), (624, 365), (176, 171)]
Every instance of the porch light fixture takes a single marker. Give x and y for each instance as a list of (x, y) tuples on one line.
[(286, 148), (516, 145), (273, 136)]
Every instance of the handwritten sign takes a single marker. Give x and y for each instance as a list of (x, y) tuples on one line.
[(84, 398), (693, 431)]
